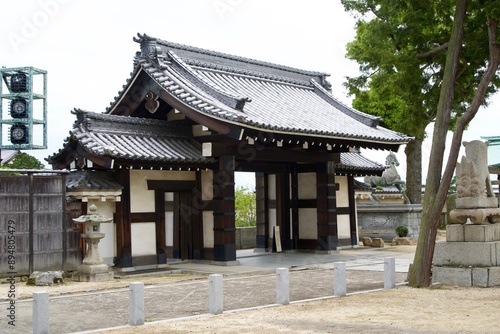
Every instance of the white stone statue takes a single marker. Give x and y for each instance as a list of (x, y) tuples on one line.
[(475, 198)]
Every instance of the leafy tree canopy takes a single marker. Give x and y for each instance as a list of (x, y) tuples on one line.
[(400, 47), (24, 161), (245, 207)]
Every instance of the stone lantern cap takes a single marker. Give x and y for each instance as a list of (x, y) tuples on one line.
[(92, 221)]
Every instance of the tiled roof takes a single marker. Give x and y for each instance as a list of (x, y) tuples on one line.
[(91, 180), (133, 138), (355, 163), (256, 94), (8, 156), (361, 186)]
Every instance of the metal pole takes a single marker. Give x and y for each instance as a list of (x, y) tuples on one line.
[(64, 227), (30, 223)]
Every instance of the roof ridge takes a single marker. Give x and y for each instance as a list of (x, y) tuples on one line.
[(235, 70), (230, 99), (146, 38)]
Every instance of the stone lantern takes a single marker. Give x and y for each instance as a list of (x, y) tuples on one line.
[(93, 267)]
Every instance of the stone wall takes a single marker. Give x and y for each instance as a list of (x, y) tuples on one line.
[(379, 221), (246, 237)]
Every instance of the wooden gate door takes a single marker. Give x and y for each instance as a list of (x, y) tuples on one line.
[(189, 225)]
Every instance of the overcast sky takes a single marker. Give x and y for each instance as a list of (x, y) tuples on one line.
[(86, 46)]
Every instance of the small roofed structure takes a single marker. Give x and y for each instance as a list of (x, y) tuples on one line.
[(189, 118), (6, 156)]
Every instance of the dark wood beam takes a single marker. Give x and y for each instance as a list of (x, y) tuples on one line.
[(251, 153)]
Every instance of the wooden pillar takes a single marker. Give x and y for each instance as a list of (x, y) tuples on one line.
[(224, 215), (161, 242), (261, 196), (352, 211), (327, 207), (122, 220), (295, 206)]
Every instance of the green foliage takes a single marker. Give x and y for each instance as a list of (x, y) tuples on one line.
[(401, 231), (400, 47), (24, 161), (453, 186), (400, 79), (245, 207)]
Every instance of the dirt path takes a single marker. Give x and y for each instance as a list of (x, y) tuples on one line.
[(400, 310)]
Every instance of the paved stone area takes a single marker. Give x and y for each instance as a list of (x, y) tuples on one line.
[(250, 284)]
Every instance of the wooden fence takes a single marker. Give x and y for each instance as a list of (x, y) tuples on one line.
[(36, 229)]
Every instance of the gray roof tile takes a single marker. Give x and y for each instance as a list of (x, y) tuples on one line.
[(91, 180), (134, 138), (257, 94)]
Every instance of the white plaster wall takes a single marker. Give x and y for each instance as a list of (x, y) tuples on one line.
[(107, 245), (143, 238), (343, 193), (308, 228), (271, 191), (208, 229), (169, 228), (307, 185), (142, 199), (272, 221), (169, 197), (343, 226), (207, 185)]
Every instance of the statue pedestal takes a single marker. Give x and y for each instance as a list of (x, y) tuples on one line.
[(93, 273), (468, 257)]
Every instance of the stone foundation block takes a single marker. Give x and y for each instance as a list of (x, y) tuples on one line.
[(496, 231), (494, 276), (480, 233), (455, 233), (480, 277), (476, 202), (472, 232), (476, 254), (452, 276)]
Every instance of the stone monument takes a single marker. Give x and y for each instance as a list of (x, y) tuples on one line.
[(471, 254), (93, 267), (390, 177), (380, 218)]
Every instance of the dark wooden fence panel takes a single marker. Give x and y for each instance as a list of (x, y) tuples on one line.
[(45, 239)]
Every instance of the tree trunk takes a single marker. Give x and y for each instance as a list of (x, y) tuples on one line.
[(420, 274), (413, 152)]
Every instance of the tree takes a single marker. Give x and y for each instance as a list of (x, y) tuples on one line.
[(400, 46), (24, 161), (245, 207), (457, 60), (437, 185)]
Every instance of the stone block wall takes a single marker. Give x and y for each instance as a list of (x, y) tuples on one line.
[(469, 257), (246, 237), (379, 221)]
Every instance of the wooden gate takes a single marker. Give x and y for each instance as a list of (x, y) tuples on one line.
[(36, 233)]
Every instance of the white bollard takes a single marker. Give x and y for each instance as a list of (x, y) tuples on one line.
[(339, 279), (216, 294), (389, 272), (40, 312), (282, 286), (136, 304)]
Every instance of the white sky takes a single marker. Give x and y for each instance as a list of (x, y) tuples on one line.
[(86, 46)]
